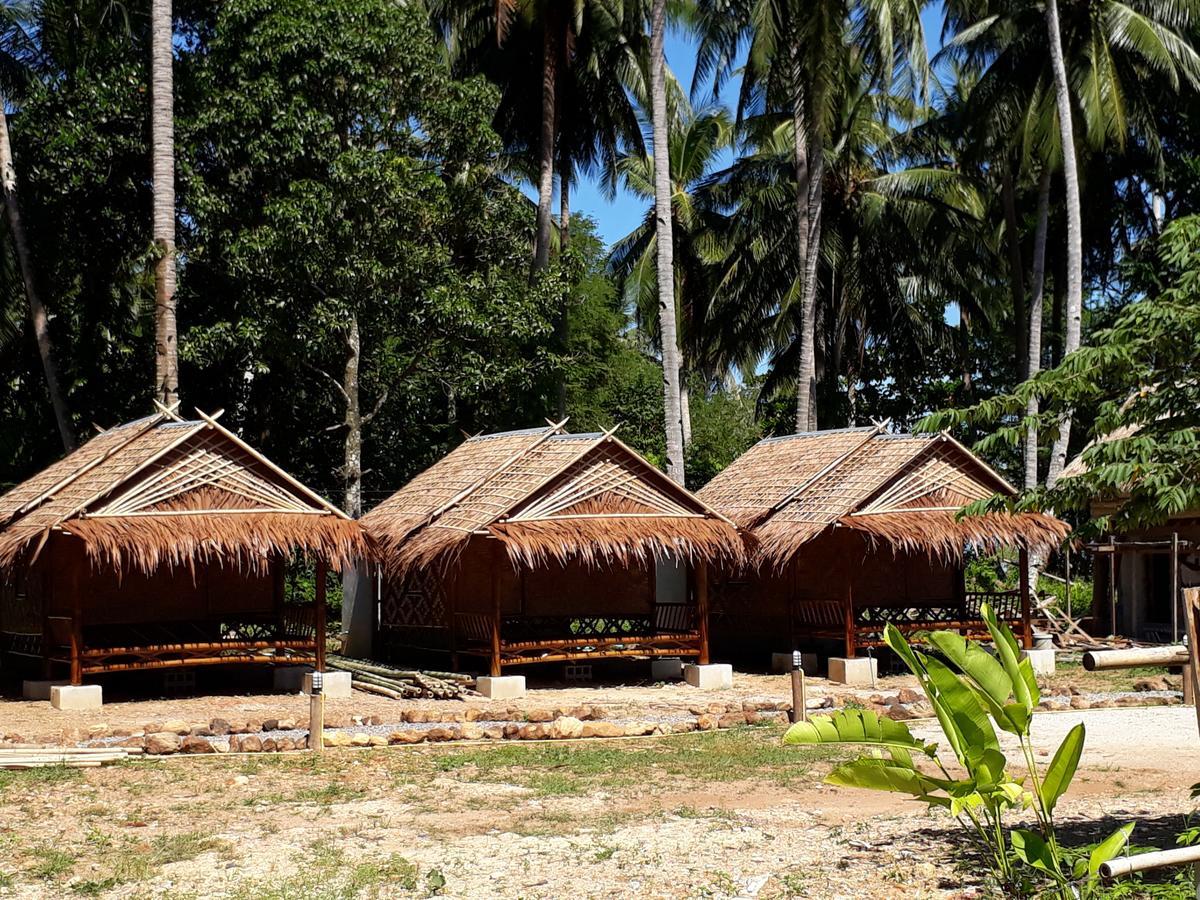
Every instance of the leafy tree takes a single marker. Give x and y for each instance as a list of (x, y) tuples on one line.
[(344, 181), (1140, 374)]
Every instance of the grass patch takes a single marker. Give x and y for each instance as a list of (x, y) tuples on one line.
[(1071, 672), (51, 863), (554, 769), (16, 779), (325, 873)]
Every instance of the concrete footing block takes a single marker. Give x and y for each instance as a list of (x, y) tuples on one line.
[(713, 677), (334, 685), (861, 670), (289, 678), (667, 669), (39, 690), (1042, 660), (76, 696), (781, 663), (501, 687)]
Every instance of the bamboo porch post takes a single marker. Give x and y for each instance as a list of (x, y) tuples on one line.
[(1112, 585), (848, 617), (496, 559), (1175, 587), (319, 618), (76, 590), (702, 609), (1026, 622)]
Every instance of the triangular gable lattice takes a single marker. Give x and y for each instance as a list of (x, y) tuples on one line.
[(606, 471), (942, 478), (207, 461)]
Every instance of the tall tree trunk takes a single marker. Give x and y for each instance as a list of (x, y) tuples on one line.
[(1036, 303), (541, 246), (1016, 267), (807, 366), (672, 412), (562, 322), (162, 139), (1074, 300), (685, 408), (37, 312), (352, 456), (806, 393)]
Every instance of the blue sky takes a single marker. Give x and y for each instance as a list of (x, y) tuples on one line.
[(616, 218)]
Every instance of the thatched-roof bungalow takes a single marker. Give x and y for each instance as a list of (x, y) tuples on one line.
[(857, 528), (162, 544), (542, 546)]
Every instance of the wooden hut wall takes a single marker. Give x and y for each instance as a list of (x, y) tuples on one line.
[(112, 598), (549, 590)]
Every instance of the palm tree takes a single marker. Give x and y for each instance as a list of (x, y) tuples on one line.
[(16, 55), (1118, 58), (582, 56), (697, 141), (796, 54), (898, 239), (665, 244), (162, 140)]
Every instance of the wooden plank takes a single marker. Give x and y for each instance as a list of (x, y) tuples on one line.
[(702, 609)]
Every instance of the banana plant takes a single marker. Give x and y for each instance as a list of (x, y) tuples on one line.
[(973, 693)]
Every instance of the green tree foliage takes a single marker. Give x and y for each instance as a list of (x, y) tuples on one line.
[(343, 180), (1140, 377)]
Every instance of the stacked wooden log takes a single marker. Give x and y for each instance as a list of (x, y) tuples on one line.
[(402, 684), (71, 757)]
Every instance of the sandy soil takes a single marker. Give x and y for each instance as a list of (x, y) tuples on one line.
[(36, 721), (726, 814)]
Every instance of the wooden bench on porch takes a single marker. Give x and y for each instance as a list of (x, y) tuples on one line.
[(862, 625), (127, 647), (673, 630)]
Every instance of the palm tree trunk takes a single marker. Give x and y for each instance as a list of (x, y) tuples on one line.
[(562, 322), (162, 139), (541, 246), (353, 421), (685, 409), (806, 374), (672, 411), (1074, 300), (1016, 267), (1036, 304), (37, 312), (806, 393)]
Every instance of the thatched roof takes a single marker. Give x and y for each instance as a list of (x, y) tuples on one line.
[(547, 495), (903, 489), (162, 491)]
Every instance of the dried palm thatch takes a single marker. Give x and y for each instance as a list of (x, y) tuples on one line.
[(906, 491), (167, 492), (547, 495)]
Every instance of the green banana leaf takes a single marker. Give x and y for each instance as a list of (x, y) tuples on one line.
[(986, 677), (962, 705), (1019, 671), (1031, 848), (857, 726), (894, 639), (1062, 767), (888, 775), (1108, 848)]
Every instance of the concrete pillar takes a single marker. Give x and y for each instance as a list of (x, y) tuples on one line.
[(76, 696), (501, 687), (334, 685), (1041, 660), (859, 671), (713, 677), (360, 595)]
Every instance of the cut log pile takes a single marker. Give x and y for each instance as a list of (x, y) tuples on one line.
[(403, 684), (72, 757)]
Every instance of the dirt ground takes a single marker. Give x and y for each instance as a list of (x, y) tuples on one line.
[(717, 814)]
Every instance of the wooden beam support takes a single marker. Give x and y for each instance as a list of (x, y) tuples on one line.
[(1026, 623), (851, 638), (497, 560), (75, 588), (319, 617), (702, 609)]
